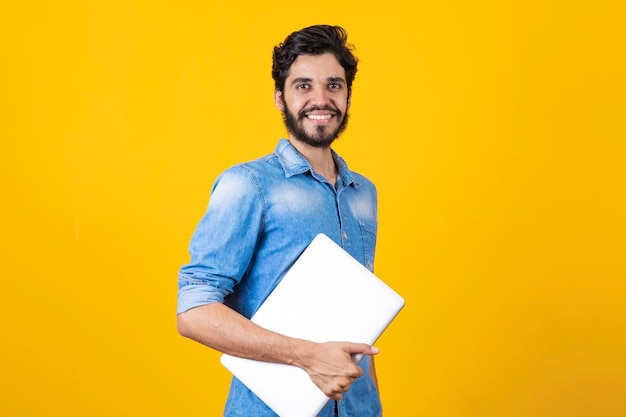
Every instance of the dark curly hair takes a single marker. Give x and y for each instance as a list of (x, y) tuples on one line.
[(313, 40)]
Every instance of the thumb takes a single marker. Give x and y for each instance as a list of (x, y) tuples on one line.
[(358, 355), (357, 350)]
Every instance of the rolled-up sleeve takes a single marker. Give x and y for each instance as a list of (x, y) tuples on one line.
[(224, 240)]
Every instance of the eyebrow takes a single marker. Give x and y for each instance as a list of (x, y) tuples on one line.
[(308, 80)]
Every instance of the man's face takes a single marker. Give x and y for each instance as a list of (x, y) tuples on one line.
[(315, 101)]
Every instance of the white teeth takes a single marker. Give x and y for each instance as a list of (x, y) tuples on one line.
[(319, 116)]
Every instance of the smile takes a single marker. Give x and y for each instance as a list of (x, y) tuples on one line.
[(319, 116)]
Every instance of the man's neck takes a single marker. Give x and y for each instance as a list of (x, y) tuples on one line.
[(321, 159)]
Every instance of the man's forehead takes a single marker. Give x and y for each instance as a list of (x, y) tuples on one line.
[(312, 66)]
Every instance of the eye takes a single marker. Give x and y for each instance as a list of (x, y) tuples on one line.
[(334, 86), (303, 86)]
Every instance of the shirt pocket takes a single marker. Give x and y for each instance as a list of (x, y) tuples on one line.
[(368, 232)]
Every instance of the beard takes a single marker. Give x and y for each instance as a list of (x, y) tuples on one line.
[(323, 136)]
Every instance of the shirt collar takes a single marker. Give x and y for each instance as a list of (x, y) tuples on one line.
[(294, 163)]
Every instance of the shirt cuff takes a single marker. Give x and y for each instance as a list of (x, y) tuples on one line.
[(190, 296)]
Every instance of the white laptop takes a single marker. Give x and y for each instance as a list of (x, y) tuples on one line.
[(327, 295)]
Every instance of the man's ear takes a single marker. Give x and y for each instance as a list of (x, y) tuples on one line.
[(349, 100), (278, 100)]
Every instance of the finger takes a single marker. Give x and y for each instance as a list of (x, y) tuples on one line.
[(337, 393), (353, 372), (334, 395), (362, 348)]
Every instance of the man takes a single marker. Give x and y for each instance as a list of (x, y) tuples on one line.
[(262, 215)]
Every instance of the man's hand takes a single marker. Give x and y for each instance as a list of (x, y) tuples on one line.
[(331, 367)]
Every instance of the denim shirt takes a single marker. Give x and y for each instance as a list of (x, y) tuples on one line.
[(261, 216)]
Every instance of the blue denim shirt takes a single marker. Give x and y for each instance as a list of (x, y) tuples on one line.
[(261, 216)]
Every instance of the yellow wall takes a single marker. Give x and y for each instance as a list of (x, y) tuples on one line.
[(495, 133)]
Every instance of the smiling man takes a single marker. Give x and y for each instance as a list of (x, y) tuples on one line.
[(317, 89), (262, 214)]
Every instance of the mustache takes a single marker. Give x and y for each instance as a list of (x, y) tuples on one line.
[(302, 113)]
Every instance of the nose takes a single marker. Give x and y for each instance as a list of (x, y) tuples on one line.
[(320, 97)]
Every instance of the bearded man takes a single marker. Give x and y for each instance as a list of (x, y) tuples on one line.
[(261, 216)]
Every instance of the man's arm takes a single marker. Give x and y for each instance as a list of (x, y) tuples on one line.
[(329, 364)]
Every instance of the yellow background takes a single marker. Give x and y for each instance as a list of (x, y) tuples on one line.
[(495, 133)]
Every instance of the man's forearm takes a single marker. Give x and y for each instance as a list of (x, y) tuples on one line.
[(221, 328), (328, 364)]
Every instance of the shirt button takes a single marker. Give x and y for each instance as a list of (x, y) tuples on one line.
[(345, 236)]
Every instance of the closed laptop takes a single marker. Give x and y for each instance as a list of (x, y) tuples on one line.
[(327, 295)]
